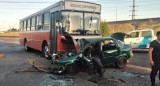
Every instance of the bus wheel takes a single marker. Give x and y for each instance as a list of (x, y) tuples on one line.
[(45, 50), (26, 46), (121, 62)]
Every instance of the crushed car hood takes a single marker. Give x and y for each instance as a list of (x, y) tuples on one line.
[(119, 36)]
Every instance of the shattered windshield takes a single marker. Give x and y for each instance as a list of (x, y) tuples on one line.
[(79, 23), (72, 22), (91, 23)]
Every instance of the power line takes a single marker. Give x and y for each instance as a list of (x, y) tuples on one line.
[(21, 2)]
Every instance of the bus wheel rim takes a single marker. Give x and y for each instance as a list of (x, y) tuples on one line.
[(46, 51)]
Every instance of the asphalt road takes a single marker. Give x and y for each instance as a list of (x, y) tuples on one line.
[(135, 74)]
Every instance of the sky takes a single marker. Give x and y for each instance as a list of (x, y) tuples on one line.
[(11, 13)]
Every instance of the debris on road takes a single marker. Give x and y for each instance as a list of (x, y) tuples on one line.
[(122, 81), (139, 69), (55, 80), (27, 70), (140, 76), (40, 66), (101, 81), (2, 56)]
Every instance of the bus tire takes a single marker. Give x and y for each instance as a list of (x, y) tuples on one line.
[(45, 50), (26, 46), (121, 62)]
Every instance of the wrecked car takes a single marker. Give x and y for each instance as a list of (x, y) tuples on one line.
[(96, 53)]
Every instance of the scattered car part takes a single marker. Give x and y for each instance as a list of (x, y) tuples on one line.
[(26, 70), (41, 67)]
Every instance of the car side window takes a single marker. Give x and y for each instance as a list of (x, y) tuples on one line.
[(133, 35), (146, 33), (108, 45)]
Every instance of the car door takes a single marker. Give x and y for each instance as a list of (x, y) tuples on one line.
[(109, 52), (146, 38), (133, 38)]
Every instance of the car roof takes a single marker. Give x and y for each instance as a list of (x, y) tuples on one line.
[(139, 30)]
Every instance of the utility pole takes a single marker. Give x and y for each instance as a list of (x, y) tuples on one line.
[(116, 10), (133, 11), (134, 14)]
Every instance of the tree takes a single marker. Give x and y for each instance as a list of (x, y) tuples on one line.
[(12, 30), (105, 31)]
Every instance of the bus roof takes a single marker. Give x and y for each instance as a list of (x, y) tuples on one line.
[(69, 5)]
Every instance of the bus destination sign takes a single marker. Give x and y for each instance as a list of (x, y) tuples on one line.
[(82, 6)]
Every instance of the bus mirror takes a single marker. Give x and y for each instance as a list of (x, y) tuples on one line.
[(59, 24)]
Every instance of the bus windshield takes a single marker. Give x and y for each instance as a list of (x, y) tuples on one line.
[(79, 23)]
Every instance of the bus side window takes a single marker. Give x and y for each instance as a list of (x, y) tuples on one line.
[(21, 26), (24, 26), (38, 22), (28, 25), (33, 23), (46, 21)]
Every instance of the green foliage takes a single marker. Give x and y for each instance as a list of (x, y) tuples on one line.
[(105, 30)]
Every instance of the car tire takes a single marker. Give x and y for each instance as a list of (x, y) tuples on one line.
[(26, 46), (72, 69), (121, 62), (45, 51)]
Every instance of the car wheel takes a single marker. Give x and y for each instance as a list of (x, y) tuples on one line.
[(121, 62), (45, 51), (72, 69), (26, 46)]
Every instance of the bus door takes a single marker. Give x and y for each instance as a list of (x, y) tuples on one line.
[(53, 33)]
